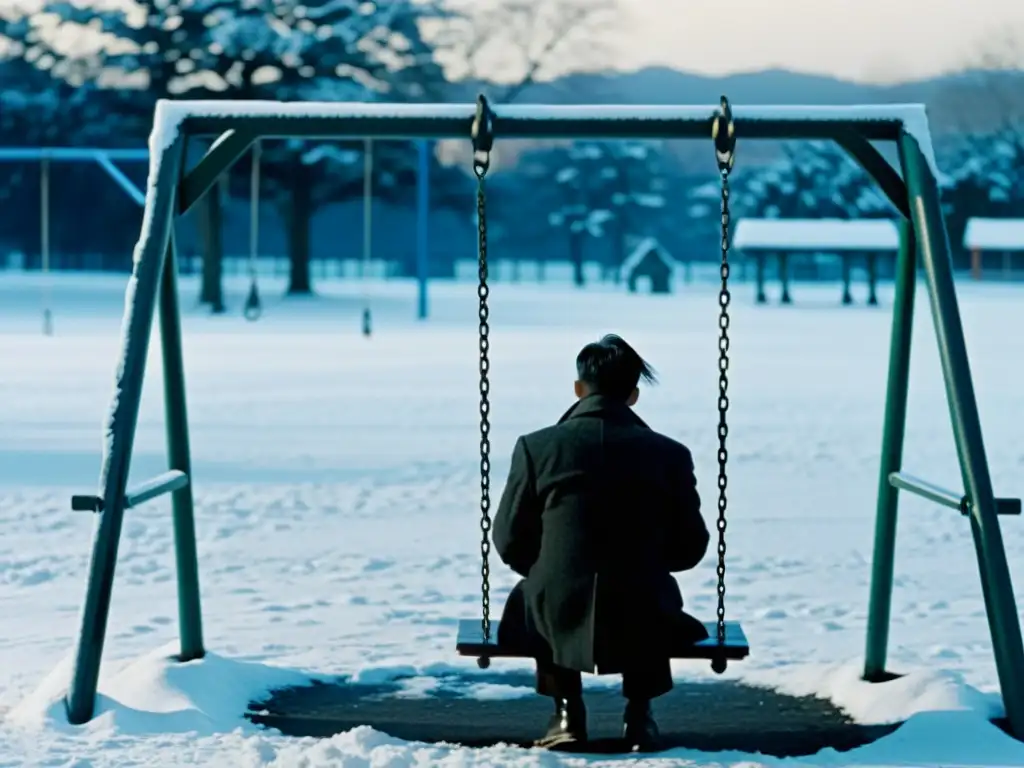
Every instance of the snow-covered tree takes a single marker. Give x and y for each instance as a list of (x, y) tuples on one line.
[(635, 172), (983, 176), (340, 51), (603, 190), (814, 179), (260, 49), (38, 109)]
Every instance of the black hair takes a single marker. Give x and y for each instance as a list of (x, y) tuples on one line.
[(611, 367)]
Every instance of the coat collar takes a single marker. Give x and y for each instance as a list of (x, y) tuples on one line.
[(601, 407)]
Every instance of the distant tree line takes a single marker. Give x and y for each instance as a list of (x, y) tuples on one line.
[(567, 201)]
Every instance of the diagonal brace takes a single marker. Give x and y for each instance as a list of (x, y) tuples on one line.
[(119, 176), (224, 153), (872, 161)]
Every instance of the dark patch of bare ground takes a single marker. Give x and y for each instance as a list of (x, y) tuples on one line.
[(709, 717)]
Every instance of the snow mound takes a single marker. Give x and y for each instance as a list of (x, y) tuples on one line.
[(881, 703), (157, 694), (941, 738)]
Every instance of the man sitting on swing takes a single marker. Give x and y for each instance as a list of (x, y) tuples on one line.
[(599, 510)]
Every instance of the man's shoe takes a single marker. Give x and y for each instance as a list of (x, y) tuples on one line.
[(639, 729), (567, 726)]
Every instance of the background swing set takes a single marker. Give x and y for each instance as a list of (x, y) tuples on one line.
[(173, 189), (252, 310)]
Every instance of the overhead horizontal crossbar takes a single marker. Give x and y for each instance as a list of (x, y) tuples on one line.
[(451, 121), (168, 482), (947, 498), (69, 154)]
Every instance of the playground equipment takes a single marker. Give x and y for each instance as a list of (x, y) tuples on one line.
[(253, 306), (105, 158), (173, 189), (845, 238), (364, 265), (44, 243), (253, 309), (726, 640)]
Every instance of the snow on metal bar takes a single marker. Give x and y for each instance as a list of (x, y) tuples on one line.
[(171, 114), (168, 482), (816, 235)]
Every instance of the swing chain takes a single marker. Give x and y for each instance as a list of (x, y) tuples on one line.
[(253, 306), (724, 134), (483, 141)]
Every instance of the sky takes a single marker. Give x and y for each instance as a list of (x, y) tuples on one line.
[(867, 40)]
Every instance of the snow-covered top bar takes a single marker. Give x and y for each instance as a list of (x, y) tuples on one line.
[(994, 234), (816, 235), (448, 121)]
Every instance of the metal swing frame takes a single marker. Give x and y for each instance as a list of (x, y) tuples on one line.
[(173, 189)]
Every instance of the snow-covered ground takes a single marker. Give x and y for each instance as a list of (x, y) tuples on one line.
[(336, 492)]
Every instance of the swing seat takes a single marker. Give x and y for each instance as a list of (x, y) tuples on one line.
[(470, 642)]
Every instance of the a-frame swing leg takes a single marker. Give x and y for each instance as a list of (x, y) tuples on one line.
[(119, 432), (1000, 604), (894, 426), (190, 623)]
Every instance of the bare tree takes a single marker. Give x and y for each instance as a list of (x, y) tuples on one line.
[(505, 47), (987, 96), (979, 118), (515, 43)]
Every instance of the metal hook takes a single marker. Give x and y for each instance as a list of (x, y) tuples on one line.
[(723, 131), (482, 134)]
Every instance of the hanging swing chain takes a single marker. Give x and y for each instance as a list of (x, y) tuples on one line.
[(254, 209), (482, 134), (253, 308), (724, 134)]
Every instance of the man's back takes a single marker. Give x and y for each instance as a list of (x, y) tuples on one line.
[(614, 487), (599, 511)]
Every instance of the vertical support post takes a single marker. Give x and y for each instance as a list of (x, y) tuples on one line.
[(976, 264), (367, 208), (422, 228), (784, 277), (364, 264), (894, 425), (872, 267), (1000, 604), (44, 243), (119, 432), (847, 296), (190, 619), (253, 304), (762, 298)]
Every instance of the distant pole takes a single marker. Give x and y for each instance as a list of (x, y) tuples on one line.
[(423, 226), (44, 243), (364, 265)]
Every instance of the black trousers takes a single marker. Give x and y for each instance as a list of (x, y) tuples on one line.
[(644, 682), (646, 678)]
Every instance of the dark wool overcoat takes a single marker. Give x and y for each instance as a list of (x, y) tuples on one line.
[(598, 512)]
